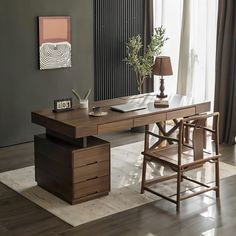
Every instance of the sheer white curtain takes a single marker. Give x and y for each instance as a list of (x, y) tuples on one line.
[(169, 14), (191, 26)]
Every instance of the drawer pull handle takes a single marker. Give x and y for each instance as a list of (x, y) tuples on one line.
[(88, 194), (92, 163), (92, 178), (92, 193)]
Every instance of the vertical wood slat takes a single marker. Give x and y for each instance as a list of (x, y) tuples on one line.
[(115, 22)]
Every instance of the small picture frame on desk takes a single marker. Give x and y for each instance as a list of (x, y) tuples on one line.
[(62, 105)]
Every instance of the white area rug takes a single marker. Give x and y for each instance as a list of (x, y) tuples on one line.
[(126, 163)]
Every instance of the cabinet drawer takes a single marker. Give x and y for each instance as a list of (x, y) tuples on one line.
[(114, 126), (91, 171), (91, 156), (145, 120), (181, 113), (91, 187)]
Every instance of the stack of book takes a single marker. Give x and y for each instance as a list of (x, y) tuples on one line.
[(161, 103)]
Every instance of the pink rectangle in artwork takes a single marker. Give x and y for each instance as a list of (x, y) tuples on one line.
[(54, 29)]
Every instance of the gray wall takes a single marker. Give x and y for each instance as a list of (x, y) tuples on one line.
[(23, 87)]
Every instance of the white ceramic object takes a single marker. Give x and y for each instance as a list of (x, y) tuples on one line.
[(83, 104), (102, 113)]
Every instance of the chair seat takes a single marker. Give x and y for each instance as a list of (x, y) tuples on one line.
[(169, 155)]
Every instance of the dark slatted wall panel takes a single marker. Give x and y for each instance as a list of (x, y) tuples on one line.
[(115, 22)]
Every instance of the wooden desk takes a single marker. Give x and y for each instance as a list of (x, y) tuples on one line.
[(58, 153), (77, 123)]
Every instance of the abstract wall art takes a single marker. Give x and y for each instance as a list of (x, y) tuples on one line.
[(54, 42)]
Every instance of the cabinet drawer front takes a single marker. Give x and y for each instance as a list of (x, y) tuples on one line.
[(92, 171), (150, 119), (91, 187), (181, 113), (91, 156), (114, 126)]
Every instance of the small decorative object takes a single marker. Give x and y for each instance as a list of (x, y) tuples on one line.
[(103, 113), (162, 67), (97, 111), (54, 42), (63, 105), (83, 102), (143, 64), (159, 103)]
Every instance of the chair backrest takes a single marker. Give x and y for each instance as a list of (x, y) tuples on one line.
[(199, 127)]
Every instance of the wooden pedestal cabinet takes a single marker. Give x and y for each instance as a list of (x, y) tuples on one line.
[(71, 172)]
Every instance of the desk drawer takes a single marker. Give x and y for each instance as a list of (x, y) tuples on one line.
[(92, 187), (181, 113), (150, 119), (204, 107), (92, 171), (115, 126), (91, 156)]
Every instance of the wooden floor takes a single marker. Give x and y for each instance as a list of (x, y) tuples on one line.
[(199, 216)]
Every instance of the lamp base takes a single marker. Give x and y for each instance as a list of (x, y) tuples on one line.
[(162, 88), (161, 96)]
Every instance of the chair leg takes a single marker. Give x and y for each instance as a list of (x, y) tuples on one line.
[(179, 178), (205, 135), (186, 134), (217, 178), (182, 179), (143, 174)]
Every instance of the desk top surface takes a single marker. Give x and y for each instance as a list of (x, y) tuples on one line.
[(78, 123)]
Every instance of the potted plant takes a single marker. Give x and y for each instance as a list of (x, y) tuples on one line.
[(83, 102), (142, 63)]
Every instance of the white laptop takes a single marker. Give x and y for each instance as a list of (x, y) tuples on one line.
[(131, 106)]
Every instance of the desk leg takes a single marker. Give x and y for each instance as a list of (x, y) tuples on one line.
[(162, 131), (85, 144)]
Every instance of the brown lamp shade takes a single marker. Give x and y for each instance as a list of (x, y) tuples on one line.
[(162, 66)]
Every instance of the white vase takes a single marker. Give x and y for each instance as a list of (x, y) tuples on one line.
[(83, 104)]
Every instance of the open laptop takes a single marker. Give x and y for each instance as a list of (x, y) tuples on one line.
[(131, 106)]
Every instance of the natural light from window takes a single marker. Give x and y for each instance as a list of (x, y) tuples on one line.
[(191, 29)]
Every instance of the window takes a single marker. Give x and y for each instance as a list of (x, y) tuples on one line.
[(191, 28)]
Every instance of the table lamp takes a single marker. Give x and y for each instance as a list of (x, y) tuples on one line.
[(162, 67)]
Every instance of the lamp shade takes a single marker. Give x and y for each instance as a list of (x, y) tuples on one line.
[(162, 66)]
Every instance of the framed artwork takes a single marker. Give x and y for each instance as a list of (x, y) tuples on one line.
[(54, 42)]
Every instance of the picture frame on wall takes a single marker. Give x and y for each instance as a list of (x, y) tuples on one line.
[(54, 42)]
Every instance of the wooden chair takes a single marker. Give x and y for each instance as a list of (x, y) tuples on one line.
[(182, 156)]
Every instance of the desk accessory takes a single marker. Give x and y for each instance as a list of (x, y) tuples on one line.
[(130, 106), (102, 113), (83, 102), (97, 112), (61, 105), (161, 103), (162, 67)]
